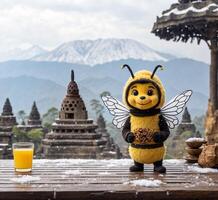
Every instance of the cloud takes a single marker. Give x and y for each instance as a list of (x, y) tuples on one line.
[(49, 23)]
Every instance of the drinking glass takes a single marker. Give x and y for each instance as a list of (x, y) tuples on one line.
[(23, 156)]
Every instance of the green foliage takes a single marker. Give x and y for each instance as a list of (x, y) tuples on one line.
[(47, 125), (176, 145), (105, 93), (187, 134), (115, 133), (20, 135), (34, 135), (97, 107), (49, 117), (21, 115), (199, 123)]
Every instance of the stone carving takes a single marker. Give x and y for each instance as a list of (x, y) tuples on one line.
[(111, 149), (7, 121), (73, 135)]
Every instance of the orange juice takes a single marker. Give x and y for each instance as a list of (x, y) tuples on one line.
[(23, 157)]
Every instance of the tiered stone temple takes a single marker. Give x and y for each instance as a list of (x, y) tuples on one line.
[(7, 122), (34, 120), (73, 135), (111, 149), (186, 124)]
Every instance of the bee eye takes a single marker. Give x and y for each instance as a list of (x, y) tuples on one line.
[(135, 92), (150, 92)]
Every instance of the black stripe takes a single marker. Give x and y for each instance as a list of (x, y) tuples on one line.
[(147, 146)]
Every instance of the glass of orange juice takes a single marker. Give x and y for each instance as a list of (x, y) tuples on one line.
[(23, 156)]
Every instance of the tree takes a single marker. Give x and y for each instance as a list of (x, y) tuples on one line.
[(199, 123), (20, 135), (35, 136), (49, 117), (21, 115), (105, 93), (97, 107)]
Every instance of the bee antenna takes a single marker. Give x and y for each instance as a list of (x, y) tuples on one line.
[(130, 70), (155, 69)]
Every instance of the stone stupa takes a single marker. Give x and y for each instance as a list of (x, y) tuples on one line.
[(111, 149), (34, 120), (73, 135), (7, 122), (34, 117), (186, 123)]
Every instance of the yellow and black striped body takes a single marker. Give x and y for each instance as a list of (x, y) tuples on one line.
[(143, 129), (144, 96)]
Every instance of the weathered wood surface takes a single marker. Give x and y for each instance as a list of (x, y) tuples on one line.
[(91, 179)]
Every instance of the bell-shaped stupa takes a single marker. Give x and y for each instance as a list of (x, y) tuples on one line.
[(73, 135)]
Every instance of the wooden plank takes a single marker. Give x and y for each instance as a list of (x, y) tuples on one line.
[(93, 183)]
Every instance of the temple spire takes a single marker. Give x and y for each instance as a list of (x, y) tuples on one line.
[(186, 117), (101, 122), (7, 108), (72, 89), (34, 114), (72, 75), (73, 106)]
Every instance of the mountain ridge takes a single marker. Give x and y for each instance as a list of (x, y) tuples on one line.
[(22, 54), (100, 51), (179, 75)]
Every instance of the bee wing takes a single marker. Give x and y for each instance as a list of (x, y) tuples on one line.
[(117, 109), (175, 107)]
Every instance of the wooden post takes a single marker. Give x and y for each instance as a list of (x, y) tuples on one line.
[(211, 123), (214, 78)]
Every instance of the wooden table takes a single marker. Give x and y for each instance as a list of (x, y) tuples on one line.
[(101, 179)]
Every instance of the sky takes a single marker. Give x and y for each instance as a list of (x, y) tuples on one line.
[(49, 23)]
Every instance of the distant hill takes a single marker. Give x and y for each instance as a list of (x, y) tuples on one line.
[(45, 82), (22, 54), (23, 90)]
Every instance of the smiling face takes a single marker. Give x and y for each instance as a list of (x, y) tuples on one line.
[(143, 96)]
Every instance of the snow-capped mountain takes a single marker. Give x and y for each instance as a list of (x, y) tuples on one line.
[(22, 54), (92, 52)]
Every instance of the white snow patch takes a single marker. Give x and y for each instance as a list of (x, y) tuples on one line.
[(71, 162), (61, 162), (92, 52), (104, 173), (174, 161), (180, 12), (3, 144), (25, 179), (118, 162), (198, 169), (146, 182), (195, 139), (72, 172)]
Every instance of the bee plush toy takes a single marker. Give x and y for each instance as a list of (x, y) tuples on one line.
[(144, 117)]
